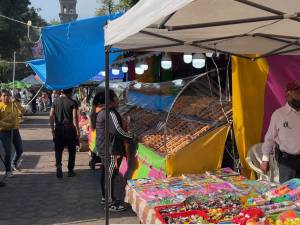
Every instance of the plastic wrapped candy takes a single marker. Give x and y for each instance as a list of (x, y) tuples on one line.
[(191, 217), (293, 195), (278, 207), (257, 201), (283, 189), (287, 215), (212, 201), (223, 215), (252, 215)]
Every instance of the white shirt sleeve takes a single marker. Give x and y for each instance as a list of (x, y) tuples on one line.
[(270, 138)]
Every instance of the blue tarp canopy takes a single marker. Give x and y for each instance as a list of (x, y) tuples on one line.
[(74, 52), (39, 67), (100, 78), (151, 102)]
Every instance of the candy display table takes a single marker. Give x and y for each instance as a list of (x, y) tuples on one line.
[(220, 196)]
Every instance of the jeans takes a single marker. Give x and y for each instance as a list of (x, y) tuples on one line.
[(9, 138)]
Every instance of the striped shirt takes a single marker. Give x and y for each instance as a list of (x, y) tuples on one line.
[(117, 135)]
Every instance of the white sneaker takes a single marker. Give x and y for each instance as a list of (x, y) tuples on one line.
[(15, 167), (9, 174)]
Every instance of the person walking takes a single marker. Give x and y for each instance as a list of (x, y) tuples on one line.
[(283, 135), (45, 101), (9, 131), (117, 150), (33, 101), (54, 96), (65, 130)]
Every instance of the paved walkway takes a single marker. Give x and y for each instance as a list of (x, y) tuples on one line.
[(35, 196)]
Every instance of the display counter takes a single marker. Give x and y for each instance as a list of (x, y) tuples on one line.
[(219, 196)]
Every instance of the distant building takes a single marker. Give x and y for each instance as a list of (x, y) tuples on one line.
[(67, 11)]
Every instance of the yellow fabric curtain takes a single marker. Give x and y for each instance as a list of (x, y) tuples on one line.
[(205, 153), (248, 89)]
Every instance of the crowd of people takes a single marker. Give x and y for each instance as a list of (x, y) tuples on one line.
[(71, 119)]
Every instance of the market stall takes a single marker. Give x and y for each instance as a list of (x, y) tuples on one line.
[(219, 196), (250, 30), (174, 122)]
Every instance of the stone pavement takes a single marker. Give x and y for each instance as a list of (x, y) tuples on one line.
[(35, 196)]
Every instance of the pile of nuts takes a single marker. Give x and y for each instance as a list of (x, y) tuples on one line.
[(152, 131)]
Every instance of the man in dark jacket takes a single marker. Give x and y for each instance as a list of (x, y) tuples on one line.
[(116, 145), (64, 113)]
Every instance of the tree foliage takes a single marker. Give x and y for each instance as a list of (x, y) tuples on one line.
[(112, 6), (13, 36)]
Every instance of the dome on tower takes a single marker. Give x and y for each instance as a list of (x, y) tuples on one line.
[(67, 11)]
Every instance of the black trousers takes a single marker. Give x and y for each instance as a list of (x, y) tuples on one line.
[(289, 166), (65, 137), (112, 174)]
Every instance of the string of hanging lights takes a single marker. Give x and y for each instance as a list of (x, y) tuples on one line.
[(198, 61)]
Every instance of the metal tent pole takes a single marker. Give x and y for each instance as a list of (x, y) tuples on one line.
[(12, 104), (107, 49), (14, 73)]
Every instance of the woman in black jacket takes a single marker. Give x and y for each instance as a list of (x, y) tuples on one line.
[(116, 149)]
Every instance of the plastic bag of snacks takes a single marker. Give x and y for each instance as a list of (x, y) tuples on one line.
[(223, 215), (249, 216), (212, 201), (289, 217), (283, 189), (190, 217)]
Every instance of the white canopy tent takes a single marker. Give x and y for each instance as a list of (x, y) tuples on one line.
[(238, 27)]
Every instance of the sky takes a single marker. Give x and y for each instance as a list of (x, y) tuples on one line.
[(51, 8)]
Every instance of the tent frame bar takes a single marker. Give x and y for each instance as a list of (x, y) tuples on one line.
[(179, 42), (196, 44), (161, 36), (165, 20), (258, 6), (265, 8), (273, 37), (276, 36), (192, 44), (221, 51), (227, 22), (282, 52), (277, 50), (146, 48), (219, 38)]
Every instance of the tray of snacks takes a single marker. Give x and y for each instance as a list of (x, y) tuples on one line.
[(161, 211), (222, 215), (189, 217)]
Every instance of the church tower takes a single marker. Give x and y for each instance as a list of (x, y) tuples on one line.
[(67, 11)]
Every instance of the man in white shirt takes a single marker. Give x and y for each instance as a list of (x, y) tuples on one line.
[(284, 132)]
